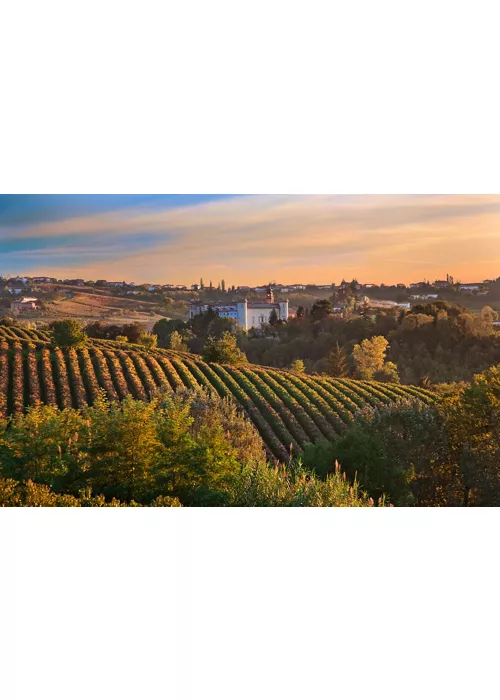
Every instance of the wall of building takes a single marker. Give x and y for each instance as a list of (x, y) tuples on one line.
[(247, 315)]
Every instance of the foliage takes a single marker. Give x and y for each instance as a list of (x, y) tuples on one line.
[(134, 332), (473, 424), (287, 408), (394, 450), (165, 328), (148, 340), (265, 486), (337, 364), (298, 367), (273, 318), (32, 495), (444, 455), (190, 449), (68, 333), (440, 341), (488, 315), (388, 373), (321, 310), (176, 342), (369, 356), (224, 350)]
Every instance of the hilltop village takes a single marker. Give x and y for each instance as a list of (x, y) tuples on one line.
[(44, 297)]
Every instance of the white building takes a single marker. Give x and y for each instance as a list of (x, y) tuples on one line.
[(424, 296), (24, 304), (247, 314)]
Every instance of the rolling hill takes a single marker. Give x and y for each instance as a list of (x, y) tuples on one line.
[(289, 410)]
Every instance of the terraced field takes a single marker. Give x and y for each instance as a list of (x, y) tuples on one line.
[(289, 410)]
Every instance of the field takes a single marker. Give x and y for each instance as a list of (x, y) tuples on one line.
[(89, 304), (289, 410)]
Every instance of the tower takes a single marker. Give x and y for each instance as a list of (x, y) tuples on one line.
[(242, 307), (283, 316), (270, 295)]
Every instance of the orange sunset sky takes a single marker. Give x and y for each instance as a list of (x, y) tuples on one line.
[(251, 239)]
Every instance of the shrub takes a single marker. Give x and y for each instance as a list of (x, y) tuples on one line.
[(298, 367), (148, 340), (68, 334), (224, 350)]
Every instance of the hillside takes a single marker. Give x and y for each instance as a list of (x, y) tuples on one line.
[(289, 410), (91, 304)]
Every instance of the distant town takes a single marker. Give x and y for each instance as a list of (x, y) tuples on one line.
[(46, 296), (19, 284)]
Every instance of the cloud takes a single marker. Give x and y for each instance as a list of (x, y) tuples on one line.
[(286, 237)]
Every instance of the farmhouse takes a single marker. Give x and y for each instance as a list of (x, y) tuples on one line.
[(42, 280), (24, 304), (18, 280), (248, 315)]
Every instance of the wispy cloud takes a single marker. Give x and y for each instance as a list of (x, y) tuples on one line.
[(286, 237)]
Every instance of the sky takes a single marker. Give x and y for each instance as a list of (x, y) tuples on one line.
[(251, 239)]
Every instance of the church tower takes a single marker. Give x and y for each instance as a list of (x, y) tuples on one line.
[(270, 295)]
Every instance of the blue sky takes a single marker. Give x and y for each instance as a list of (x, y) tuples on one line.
[(249, 239)]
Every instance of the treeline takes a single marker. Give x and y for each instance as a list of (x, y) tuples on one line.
[(429, 344), (444, 454), (191, 449)]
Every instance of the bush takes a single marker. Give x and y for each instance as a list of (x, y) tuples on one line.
[(399, 450), (388, 373), (298, 367), (187, 449), (68, 334), (148, 340), (224, 350)]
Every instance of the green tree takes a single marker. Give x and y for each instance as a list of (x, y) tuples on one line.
[(44, 445), (69, 334), (337, 364), (321, 309), (224, 350), (164, 329), (134, 331), (298, 367), (191, 448), (412, 321), (487, 318), (369, 356), (388, 373), (125, 448), (473, 424), (273, 318), (177, 343), (148, 340), (400, 450)]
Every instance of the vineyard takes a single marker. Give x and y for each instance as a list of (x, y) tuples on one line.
[(289, 410)]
